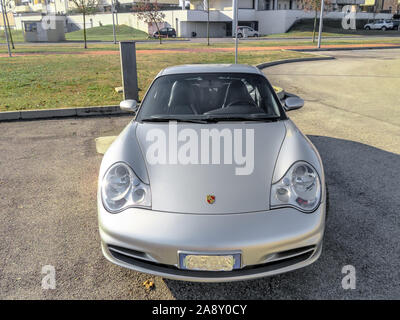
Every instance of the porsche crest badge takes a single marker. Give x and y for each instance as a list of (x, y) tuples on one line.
[(210, 198)]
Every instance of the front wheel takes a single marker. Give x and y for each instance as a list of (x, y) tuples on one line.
[(367, 28), (383, 28), (240, 35)]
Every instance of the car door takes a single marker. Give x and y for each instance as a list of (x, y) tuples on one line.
[(378, 24), (163, 32)]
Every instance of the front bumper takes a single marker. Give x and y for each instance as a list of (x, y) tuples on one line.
[(270, 242)]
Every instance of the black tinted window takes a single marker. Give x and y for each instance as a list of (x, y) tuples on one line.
[(204, 94)]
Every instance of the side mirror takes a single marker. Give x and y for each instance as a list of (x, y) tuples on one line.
[(293, 103), (129, 105)]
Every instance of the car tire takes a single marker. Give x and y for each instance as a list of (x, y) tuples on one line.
[(383, 28), (367, 28), (256, 35), (240, 35)]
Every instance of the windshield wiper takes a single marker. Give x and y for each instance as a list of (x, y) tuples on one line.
[(168, 118), (249, 117)]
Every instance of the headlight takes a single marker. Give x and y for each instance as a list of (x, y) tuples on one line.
[(300, 187), (121, 189)]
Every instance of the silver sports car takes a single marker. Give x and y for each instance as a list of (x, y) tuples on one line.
[(211, 181)]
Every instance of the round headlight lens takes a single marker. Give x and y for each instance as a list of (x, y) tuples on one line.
[(300, 187), (305, 184), (118, 182), (116, 185), (121, 189)]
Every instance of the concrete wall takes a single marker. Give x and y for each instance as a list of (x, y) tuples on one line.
[(187, 21), (217, 30)]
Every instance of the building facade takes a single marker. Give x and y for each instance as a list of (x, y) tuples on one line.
[(189, 17)]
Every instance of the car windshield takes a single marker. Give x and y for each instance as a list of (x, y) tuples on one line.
[(210, 96)]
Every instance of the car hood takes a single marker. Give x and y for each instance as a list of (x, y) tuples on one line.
[(239, 186)]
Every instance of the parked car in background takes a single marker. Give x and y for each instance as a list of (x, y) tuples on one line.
[(396, 24), (165, 33), (379, 25), (247, 31)]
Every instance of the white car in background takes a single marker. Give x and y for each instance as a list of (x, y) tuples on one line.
[(247, 32), (379, 25)]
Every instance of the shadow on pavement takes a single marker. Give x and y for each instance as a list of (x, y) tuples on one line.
[(362, 230)]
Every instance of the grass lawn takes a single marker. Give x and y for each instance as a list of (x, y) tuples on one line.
[(71, 80), (61, 81), (171, 44), (16, 35), (307, 34), (105, 33)]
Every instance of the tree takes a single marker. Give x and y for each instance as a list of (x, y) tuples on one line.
[(313, 5), (150, 13), (394, 4), (86, 7)]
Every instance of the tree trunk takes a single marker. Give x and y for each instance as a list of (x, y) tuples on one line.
[(84, 28), (315, 25), (159, 33)]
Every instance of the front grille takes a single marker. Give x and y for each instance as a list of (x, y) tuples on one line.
[(247, 270)]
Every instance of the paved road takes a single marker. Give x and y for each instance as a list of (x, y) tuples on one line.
[(48, 176)]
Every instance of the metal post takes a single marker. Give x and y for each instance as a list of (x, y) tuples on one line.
[(112, 13), (5, 29), (128, 69), (236, 24), (320, 24)]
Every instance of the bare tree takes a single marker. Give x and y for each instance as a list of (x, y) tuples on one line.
[(85, 7), (150, 13), (394, 4), (313, 5)]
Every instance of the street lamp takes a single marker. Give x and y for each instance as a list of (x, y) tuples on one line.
[(112, 13), (320, 24), (5, 28), (236, 24)]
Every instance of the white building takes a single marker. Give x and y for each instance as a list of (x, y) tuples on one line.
[(189, 17)]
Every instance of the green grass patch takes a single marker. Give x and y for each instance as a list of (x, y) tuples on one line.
[(307, 34), (78, 47), (62, 81), (16, 35), (105, 33)]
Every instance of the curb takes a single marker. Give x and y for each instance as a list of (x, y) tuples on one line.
[(61, 113), (275, 63)]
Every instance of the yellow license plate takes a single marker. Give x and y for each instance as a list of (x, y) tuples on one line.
[(210, 262)]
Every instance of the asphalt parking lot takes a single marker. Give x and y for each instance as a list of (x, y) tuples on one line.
[(48, 177)]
